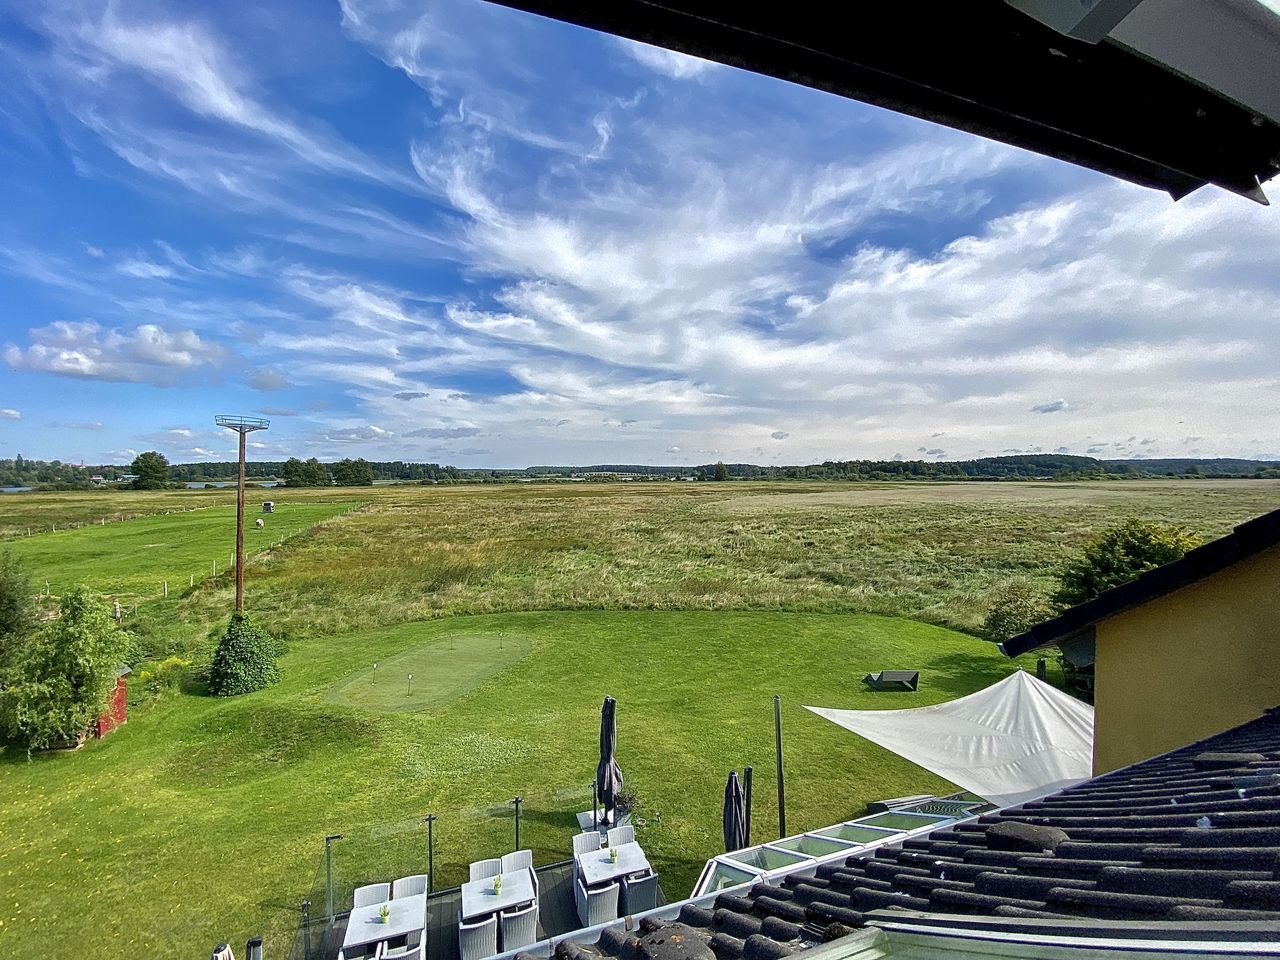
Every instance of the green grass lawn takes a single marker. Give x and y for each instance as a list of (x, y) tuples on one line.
[(134, 558), (202, 820)]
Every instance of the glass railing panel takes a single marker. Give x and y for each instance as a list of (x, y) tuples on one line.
[(855, 833), (764, 858), (811, 846), (900, 821)]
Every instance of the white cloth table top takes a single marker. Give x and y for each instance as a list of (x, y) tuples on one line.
[(596, 866), (407, 915), (1014, 741), (478, 898)]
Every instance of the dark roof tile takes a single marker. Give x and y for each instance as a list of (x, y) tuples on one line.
[(1117, 906)]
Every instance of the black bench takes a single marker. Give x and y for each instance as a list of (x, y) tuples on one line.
[(893, 680)]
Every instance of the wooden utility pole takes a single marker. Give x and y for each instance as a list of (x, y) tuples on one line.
[(242, 426), (240, 531)]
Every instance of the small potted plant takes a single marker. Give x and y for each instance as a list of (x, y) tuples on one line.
[(497, 885), (384, 913), (613, 854)]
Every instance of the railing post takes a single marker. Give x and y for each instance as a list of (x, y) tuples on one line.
[(517, 801), (746, 776), (328, 875), (430, 818), (306, 930), (782, 800)]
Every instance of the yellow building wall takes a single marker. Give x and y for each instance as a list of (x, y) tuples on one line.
[(1185, 666)]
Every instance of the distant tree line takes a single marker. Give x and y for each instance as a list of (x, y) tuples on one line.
[(154, 471)]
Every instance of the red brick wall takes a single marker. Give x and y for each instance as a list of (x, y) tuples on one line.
[(116, 712)]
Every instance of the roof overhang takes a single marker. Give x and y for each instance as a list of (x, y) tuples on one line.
[(1000, 72), (1246, 540)]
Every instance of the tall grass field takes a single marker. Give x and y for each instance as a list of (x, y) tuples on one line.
[(516, 609)]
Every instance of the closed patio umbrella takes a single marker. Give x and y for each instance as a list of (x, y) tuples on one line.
[(735, 815), (608, 773)]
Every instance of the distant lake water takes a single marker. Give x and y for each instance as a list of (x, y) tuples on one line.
[(15, 489), (200, 485)]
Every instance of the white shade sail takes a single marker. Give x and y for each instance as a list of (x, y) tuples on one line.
[(1013, 741)]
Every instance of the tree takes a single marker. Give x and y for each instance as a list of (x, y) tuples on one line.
[(245, 660), (309, 474), (1019, 607), (353, 473), (722, 472), (1119, 554), (16, 616), (152, 469), (62, 677)]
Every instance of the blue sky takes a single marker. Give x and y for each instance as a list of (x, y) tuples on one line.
[(453, 232)]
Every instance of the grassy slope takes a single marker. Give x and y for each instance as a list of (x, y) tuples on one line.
[(932, 552), (133, 558), (202, 820)]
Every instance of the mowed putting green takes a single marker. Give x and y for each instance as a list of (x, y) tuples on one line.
[(136, 557), (431, 674)]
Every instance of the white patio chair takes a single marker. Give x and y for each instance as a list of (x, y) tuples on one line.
[(519, 927), (483, 869), (409, 886), (414, 949), (361, 953), (639, 893), (588, 842), (370, 894), (598, 905), (621, 835), (521, 859), (479, 940)]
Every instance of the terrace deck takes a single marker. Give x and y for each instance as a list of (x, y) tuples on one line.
[(557, 916)]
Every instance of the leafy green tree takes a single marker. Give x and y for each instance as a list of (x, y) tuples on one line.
[(16, 616), (245, 660), (353, 473), (1119, 554), (310, 473), (62, 676), (722, 472), (152, 469), (1018, 607)]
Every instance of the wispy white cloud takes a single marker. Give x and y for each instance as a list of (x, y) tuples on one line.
[(678, 66), (9, 413)]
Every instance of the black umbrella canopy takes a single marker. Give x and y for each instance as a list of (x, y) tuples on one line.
[(735, 815), (608, 773)]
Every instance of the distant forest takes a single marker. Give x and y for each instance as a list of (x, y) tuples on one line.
[(56, 475)]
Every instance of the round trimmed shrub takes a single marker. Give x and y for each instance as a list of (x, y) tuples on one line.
[(245, 660)]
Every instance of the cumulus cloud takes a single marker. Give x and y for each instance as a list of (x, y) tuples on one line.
[(1051, 406), (442, 433), (145, 354), (354, 434), (267, 379), (78, 424), (8, 413)]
